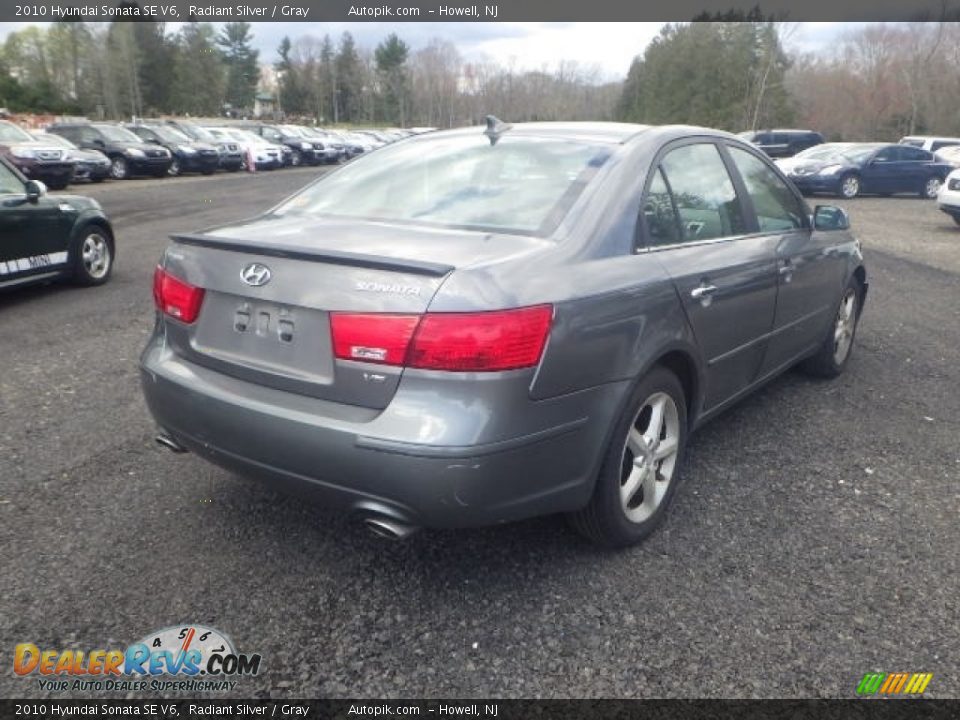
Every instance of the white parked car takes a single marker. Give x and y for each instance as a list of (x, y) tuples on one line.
[(948, 199), (950, 155), (266, 155)]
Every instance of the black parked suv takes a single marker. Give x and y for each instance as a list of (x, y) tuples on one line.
[(129, 155), (782, 143), (302, 151), (188, 155), (230, 154)]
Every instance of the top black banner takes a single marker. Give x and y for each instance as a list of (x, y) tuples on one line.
[(393, 11)]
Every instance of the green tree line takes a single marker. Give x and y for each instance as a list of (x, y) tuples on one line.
[(730, 71)]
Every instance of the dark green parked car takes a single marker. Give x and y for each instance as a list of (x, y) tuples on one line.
[(50, 237)]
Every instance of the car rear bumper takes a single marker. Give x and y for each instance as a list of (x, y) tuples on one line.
[(430, 461)]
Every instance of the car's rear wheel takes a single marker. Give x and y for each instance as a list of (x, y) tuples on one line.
[(931, 187), (174, 168), (956, 219), (296, 159), (119, 168), (849, 186), (93, 262), (832, 357), (58, 184), (641, 467)]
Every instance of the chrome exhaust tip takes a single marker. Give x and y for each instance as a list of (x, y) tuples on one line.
[(169, 443), (389, 528)]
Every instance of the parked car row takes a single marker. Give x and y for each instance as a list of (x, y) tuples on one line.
[(94, 151), (852, 169)]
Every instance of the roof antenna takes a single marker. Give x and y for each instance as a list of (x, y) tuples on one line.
[(495, 128)]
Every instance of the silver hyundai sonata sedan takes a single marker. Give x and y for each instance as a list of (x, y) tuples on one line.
[(487, 324)]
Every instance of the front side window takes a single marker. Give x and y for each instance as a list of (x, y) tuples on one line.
[(776, 206), (521, 184), (9, 183), (703, 193), (890, 154)]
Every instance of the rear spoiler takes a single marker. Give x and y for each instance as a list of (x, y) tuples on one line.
[(330, 257)]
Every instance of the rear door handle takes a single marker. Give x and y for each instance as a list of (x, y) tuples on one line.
[(703, 292)]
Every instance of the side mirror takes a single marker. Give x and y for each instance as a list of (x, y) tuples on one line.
[(35, 190), (828, 217)]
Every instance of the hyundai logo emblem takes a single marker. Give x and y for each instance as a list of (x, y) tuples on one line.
[(255, 274)]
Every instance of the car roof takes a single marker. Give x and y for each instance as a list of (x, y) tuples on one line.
[(609, 132)]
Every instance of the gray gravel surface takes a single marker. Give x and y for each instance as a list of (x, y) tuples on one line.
[(815, 538)]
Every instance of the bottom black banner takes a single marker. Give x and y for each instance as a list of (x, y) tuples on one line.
[(490, 709)]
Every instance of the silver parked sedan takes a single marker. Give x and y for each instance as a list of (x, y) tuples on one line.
[(481, 325)]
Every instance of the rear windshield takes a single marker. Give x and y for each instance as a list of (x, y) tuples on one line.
[(521, 184)]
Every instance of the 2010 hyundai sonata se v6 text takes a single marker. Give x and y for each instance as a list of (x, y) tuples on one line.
[(482, 325)]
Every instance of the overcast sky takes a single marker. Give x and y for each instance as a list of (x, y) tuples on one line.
[(609, 47)]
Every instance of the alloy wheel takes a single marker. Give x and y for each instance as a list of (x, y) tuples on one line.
[(118, 168), (649, 457), (850, 187), (932, 187), (95, 252), (844, 327)]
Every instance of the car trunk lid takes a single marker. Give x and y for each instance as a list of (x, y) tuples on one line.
[(270, 288)]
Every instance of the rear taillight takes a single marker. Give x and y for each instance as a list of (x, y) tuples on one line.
[(176, 298), (465, 342), (371, 337)]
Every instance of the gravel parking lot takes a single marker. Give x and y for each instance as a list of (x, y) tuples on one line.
[(815, 538)]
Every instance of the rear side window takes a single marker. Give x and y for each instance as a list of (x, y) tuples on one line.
[(703, 193), (915, 154), (658, 213), (776, 206), (937, 144)]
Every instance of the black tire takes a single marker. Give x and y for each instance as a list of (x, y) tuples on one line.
[(849, 186), (87, 272), (175, 168), (119, 168), (161, 174), (296, 159), (826, 363), (58, 185), (956, 219), (930, 187), (604, 520), (97, 179)]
